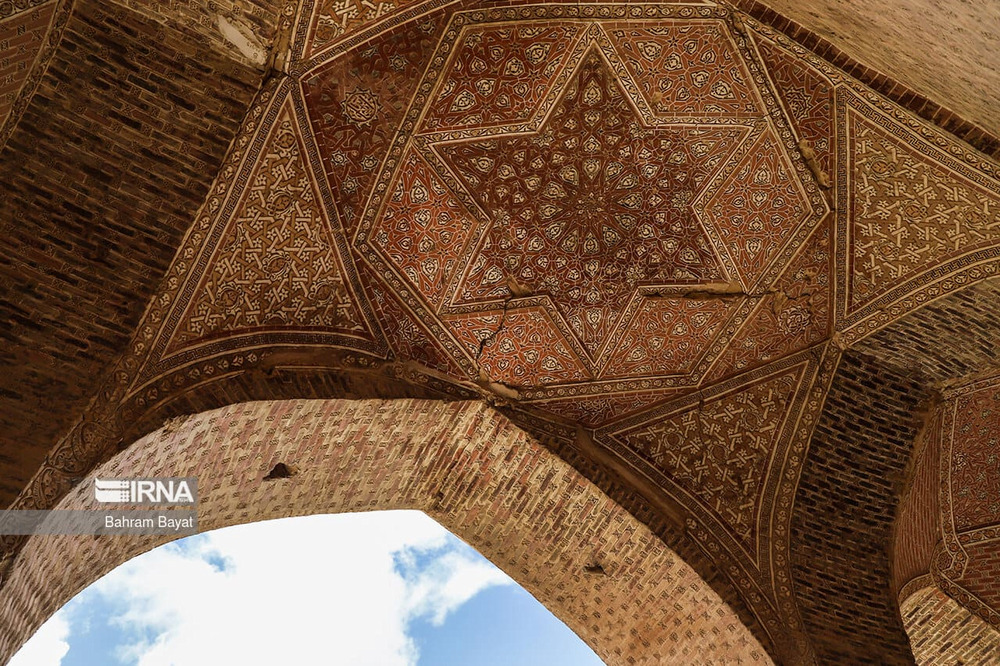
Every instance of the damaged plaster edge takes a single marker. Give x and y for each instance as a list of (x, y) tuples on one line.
[(245, 41)]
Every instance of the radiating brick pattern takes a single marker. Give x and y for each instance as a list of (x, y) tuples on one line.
[(943, 633), (462, 463)]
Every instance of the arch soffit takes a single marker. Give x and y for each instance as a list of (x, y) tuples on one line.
[(588, 560)]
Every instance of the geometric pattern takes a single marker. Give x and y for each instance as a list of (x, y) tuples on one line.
[(421, 228), (688, 69), (519, 347), (975, 460), (909, 212), (335, 20), (808, 97), (763, 207), (583, 228), (794, 314), (719, 451), (21, 38), (277, 265), (356, 102), (594, 411), (667, 336), (968, 557), (920, 216), (566, 201), (407, 338), (513, 81), (604, 208)]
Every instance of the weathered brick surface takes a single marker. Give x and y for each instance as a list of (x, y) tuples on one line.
[(936, 346), (109, 163), (844, 512), (114, 156), (631, 500), (299, 377), (462, 463), (242, 29), (943, 633), (982, 578), (917, 524), (951, 337), (944, 50), (296, 378)]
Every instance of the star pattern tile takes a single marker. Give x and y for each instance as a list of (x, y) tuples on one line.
[(560, 178), (591, 206)]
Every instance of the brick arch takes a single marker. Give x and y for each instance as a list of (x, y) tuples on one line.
[(942, 631), (462, 463)]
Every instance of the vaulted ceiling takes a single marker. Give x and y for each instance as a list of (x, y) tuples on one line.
[(735, 266)]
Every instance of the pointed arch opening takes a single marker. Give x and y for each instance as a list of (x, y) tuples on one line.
[(585, 558)]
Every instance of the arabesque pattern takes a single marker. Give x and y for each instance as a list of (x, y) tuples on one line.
[(719, 450), (582, 210), (688, 69), (277, 265), (808, 97), (910, 211), (612, 217), (423, 229), (500, 75)]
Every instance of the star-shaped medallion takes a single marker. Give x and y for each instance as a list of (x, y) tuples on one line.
[(591, 206)]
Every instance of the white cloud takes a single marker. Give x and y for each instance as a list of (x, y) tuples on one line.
[(449, 581), (48, 646), (318, 590)]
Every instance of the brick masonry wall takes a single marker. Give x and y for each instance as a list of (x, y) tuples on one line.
[(679, 541), (102, 177), (947, 339), (944, 50), (982, 577), (943, 633), (935, 347), (251, 24), (917, 529), (844, 511), (465, 465)]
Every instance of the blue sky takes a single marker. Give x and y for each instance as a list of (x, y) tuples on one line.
[(382, 588)]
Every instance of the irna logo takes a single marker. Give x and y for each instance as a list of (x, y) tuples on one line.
[(146, 491)]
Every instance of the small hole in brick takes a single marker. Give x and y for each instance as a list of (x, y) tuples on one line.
[(595, 569), (280, 471)]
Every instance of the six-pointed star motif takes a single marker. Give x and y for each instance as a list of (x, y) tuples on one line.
[(592, 205)]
